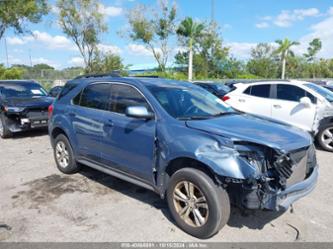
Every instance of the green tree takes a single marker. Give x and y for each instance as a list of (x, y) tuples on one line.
[(81, 21), (263, 62), (313, 49), (284, 50), (16, 13), (155, 30), (106, 63), (10, 73), (190, 31)]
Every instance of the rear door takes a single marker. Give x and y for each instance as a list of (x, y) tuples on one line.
[(286, 106), (86, 115), (255, 99), (128, 143)]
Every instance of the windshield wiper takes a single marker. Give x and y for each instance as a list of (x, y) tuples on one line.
[(194, 118), (225, 113)]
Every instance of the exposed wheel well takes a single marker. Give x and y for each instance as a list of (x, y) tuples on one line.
[(185, 162), (56, 132)]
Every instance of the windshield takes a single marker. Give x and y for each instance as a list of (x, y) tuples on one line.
[(327, 94), (26, 90), (189, 103)]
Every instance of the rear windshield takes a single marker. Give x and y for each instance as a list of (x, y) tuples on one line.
[(327, 94), (26, 90)]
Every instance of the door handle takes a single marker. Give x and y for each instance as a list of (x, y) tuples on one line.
[(277, 106), (241, 100), (72, 114), (109, 123)]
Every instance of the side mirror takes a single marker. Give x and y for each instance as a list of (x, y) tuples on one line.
[(306, 101), (138, 112)]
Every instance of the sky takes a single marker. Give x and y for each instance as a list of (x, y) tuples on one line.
[(243, 24)]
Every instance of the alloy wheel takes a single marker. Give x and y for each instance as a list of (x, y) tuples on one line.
[(1, 128), (327, 138), (190, 204), (62, 155)]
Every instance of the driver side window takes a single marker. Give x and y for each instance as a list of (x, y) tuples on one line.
[(292, 93), (123, 96)]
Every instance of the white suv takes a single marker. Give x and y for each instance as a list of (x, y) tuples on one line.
[(298, 103)]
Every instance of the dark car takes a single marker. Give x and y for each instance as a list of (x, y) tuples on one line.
[(54, 92), (218, 89), (329, 87), (23, 106), (184, 143)]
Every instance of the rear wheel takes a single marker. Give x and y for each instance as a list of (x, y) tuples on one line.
[(198, 205), (4, 131), (325, 137), (64, 156)]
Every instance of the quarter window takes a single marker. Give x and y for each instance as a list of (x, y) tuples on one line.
[(262, 91), (95, 96), (125, 96)]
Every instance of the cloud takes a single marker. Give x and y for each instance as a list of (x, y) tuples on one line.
[(322, 30), (139, 50), (76, 61), (287, 17), (105, 48), (110, 11), (49, 41), (241, 50), (262, 25)]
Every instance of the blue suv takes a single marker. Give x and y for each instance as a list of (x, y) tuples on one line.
[(182, 142)]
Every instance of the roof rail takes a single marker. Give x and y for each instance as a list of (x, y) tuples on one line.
[(145, 76), (112, 74)]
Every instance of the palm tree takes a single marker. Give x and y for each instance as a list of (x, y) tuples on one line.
[(284, 51), (190, 31)]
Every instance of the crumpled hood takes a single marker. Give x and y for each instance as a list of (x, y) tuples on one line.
[(243, 127), (37, 102)]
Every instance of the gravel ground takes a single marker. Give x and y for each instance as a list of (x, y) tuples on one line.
[(38, 203)]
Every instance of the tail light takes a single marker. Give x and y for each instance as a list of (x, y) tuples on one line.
[(50, 110), (225, 98)]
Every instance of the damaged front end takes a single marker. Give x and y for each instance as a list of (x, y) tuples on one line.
[(281, 178), (21, 119)]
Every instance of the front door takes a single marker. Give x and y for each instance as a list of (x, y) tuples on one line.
[(128, 143), (286, 106)]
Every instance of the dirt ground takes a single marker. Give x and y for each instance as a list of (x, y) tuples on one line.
[(38, 203)]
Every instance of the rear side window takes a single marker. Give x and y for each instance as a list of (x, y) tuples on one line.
[(95, 96), (124, 96), (262, 91), (292, 93)]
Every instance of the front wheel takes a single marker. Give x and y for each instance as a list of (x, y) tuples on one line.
[(197, 204), (4, 131), (325, 137)]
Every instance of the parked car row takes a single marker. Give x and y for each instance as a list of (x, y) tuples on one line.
[(184, 143), (202, 147)]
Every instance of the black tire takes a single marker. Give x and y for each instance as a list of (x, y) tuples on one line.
[(73, 166), (217, 200), (321, 135), (4, 131)]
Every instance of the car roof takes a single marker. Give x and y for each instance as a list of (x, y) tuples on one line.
[(264, 82), (17, 82), (146, 81)]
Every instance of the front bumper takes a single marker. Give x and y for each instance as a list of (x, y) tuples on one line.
[(17, 123), (283, 199)]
